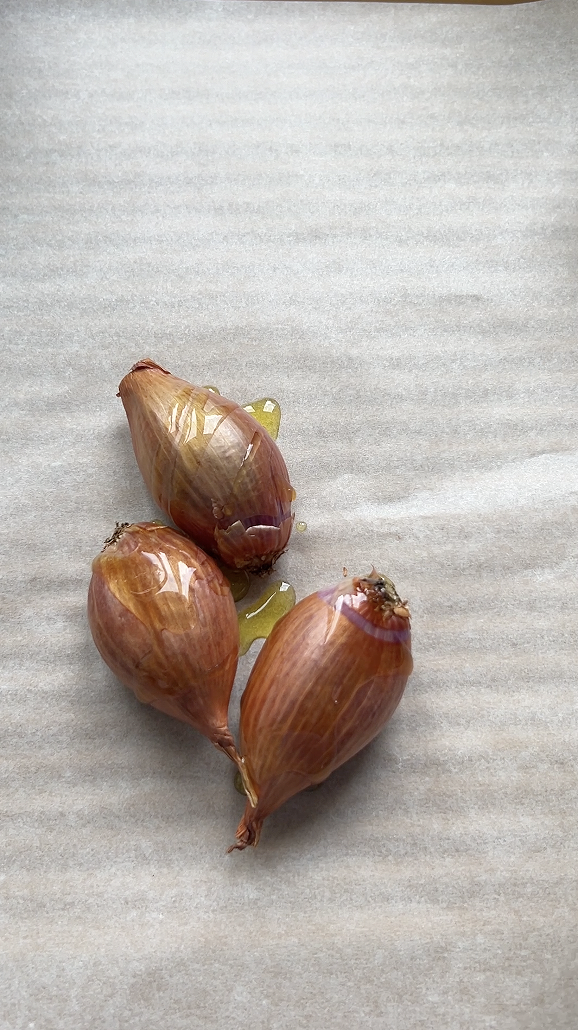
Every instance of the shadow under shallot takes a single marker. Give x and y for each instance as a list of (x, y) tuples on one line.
[(322, 818)]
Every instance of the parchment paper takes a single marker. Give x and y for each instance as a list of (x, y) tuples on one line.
[(367, 211)]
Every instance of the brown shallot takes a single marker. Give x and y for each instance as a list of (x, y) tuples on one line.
[(210, 466), (163, 619), (324, 684)]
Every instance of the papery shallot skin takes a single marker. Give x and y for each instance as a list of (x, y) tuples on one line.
[(163, 618), (210, 466), (323, 686)]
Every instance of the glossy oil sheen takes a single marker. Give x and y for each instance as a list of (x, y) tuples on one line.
[(257, 621), (239, 581), (267, 411), (163, 618), (324, 684), (209, 465)]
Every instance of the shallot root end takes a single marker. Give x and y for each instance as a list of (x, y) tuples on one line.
[(248, 832), (231, 751)]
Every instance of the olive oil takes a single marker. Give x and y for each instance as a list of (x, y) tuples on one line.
[(258, 619), (239, 581), (266, 411), (268, 414)]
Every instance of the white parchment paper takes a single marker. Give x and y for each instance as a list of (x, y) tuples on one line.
[(369, 212)]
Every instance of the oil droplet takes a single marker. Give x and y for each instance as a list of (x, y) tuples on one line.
[(300, 527), (213, 389), (239, 580), (258, 619), (268, 414)]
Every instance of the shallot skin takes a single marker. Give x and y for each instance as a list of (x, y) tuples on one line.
[(323, 686), (163, 619), (210, 466)]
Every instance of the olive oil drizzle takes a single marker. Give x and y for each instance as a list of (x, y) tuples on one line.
[(267, 412), (239, 581), (259, 618)]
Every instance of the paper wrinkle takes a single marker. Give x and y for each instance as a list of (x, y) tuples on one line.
[(530, 482)]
